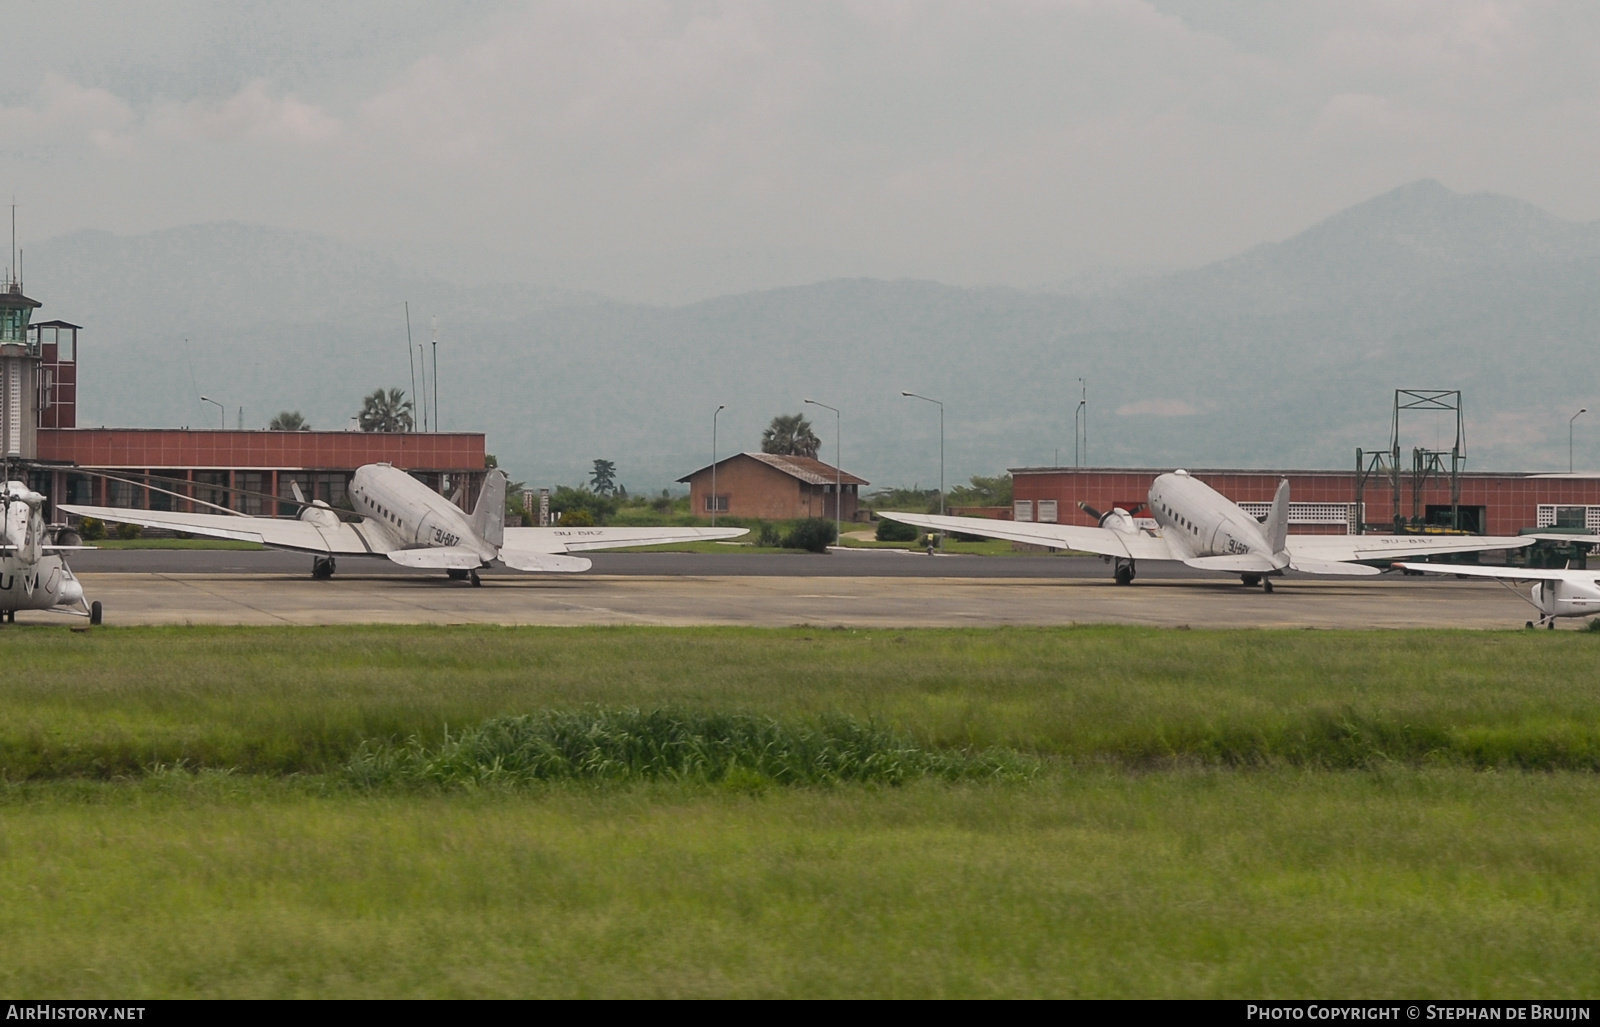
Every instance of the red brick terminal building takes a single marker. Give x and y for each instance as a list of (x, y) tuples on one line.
[(203, 464), (184, 468), (1323, 502)]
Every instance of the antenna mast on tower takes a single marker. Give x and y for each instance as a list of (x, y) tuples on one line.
[(411, 359)]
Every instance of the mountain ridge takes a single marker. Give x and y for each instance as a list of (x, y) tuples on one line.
[(1285, 354)]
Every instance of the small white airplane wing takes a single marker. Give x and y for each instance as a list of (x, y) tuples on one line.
[(1507, 573), (279, 533), (1103, 541), (1348, 548), (578, 540)]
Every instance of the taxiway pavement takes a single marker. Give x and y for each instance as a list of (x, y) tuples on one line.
[(850, 591)]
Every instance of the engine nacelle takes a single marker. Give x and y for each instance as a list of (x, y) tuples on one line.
[(320, 514), (1120, 520)]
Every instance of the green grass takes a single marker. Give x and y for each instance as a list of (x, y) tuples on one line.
[(1108, 811), (300, 700), (1224, 884)]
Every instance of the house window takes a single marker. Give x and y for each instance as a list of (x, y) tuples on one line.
[(717, 504), (1047, 511), (1022, 510)]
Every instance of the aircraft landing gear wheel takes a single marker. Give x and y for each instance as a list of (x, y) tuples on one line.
[(1551, 624), (1124, 572), (94, 612), (476, 581), (1529, 624), (322, 568), (456, 574), (1250, 580), (1266, 585)]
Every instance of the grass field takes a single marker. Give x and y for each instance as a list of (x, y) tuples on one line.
[(1245, 813)]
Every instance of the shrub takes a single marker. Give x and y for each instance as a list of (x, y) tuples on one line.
[(814, 534), (896, 531), (92, 530), (675, 745), (768, 535), (567, 500), (129, 531), (577, 519)]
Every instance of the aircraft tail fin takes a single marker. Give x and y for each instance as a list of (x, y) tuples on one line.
[(489, 516), (1277, 526)]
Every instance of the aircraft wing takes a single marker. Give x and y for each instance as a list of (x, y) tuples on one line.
[(1314, 549), (346, 539), (1508, 573), (579, 540), (1103, 541)]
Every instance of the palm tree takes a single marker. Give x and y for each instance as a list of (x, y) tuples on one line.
[(385, 411), (790, 435), (288, 420)]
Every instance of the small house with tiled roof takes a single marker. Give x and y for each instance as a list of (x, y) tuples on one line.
[(774, 488)]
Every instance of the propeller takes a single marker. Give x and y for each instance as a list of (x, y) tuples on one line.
[(1101, 518)]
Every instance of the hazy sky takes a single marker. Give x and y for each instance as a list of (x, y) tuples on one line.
[(972, 143)]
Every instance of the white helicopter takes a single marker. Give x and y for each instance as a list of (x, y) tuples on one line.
[(33, 576)]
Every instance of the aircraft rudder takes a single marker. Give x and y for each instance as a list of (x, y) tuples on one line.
[(489, 515), (1277, 526)]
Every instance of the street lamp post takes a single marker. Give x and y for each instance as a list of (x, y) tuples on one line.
[(940, 405), (222, 410), (1574, 417), (838, 474), (714, 414)]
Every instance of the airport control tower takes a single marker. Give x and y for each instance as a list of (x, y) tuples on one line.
[(19, 376)]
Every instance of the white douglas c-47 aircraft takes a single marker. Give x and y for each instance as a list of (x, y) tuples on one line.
[(401, 519), (1199, 527)]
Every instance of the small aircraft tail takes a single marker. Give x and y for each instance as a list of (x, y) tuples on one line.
[(489, 516), (1277, 526)]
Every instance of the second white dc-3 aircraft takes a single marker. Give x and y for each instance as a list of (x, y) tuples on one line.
[(1198, 526), (401, 519)]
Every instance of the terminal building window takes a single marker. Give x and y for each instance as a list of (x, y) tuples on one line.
[(1570, 518)]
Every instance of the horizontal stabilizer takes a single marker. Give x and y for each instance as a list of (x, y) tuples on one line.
[(548, 563), (576, 539), (1355, 570), (1242, 563), (451, 558)]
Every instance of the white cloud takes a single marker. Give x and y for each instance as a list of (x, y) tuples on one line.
[(973, 142), (251, 114)]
